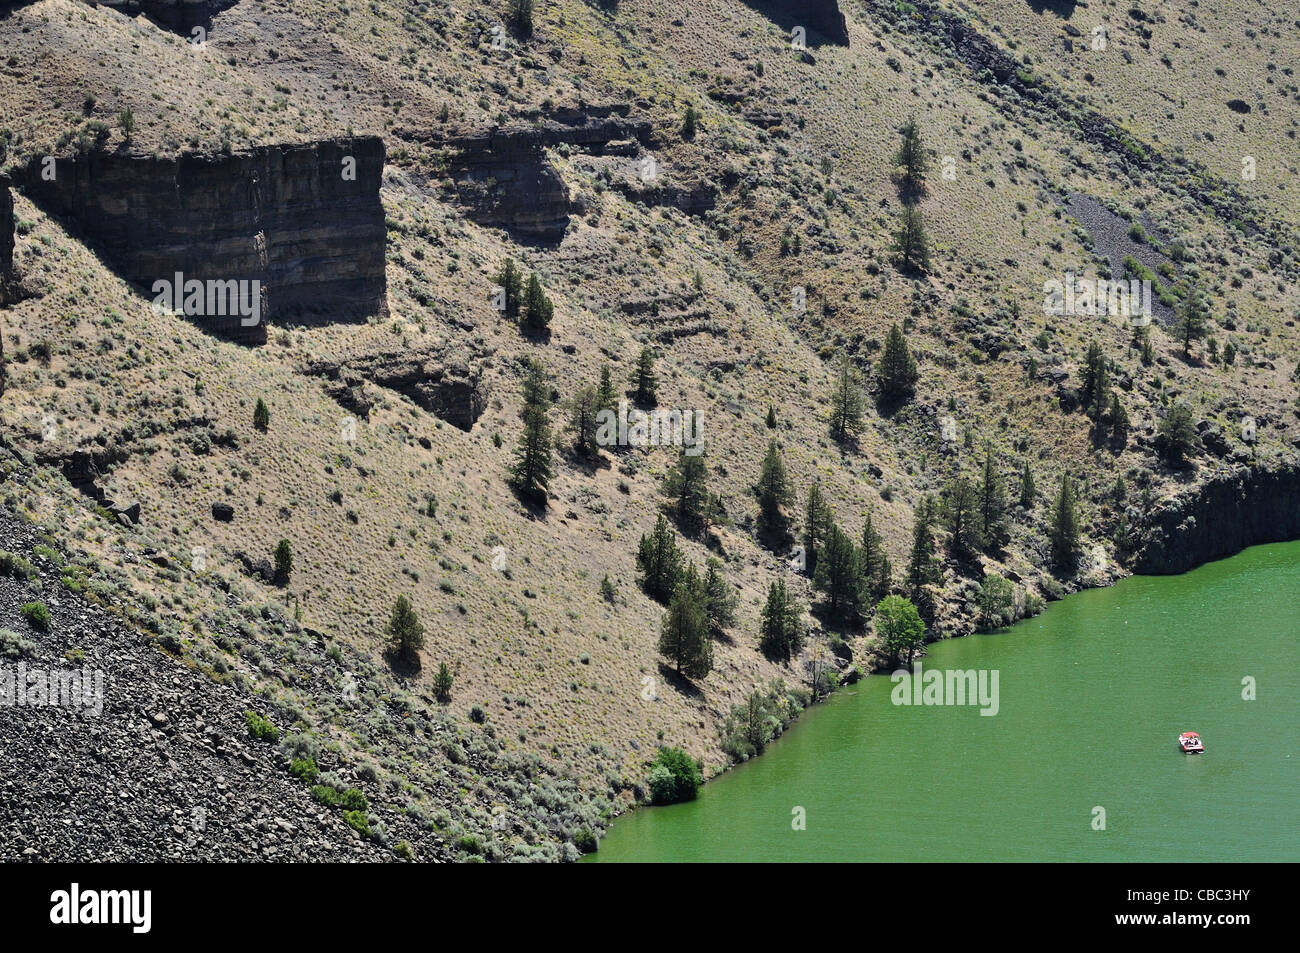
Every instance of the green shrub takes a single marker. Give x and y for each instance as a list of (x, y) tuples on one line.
[(324, 794), (14, 565), (304, 768), (13, 645), (38, 615), (586, 841), (470, 844), (259, 728), (403, 850), (354, 800), (358, 821), (674, 777)]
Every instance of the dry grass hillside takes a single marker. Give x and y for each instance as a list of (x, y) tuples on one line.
[(798, 148)]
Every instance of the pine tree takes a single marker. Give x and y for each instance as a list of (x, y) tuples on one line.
[(659, 561), (1176, 436), (771, 417), (1146, 355), (531, 474), (846, 402), (261, 416), (536, 388), (1091, 375), (538, 307), (1192, 321), (684, 633), (442, 683), (921, 565), (511, 281), (911, 156), (686, 486), (961, 514), (582, 421), (1065, 528), (816, 525), (910, 242), (690, 121), (838, 577), (774, 497), (1119, 422), (606, 399), (877, 574), (781, 626), (992, 502), (405, 631), (644, 381), (720, 598), (283, 562), (896, 370), (520, 16), (1028, 493)]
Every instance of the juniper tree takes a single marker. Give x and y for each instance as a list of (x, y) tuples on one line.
[(774, 497), (582, 421), (511, 281), (1176, 436), (720, 600), (644, 381), (538, 307), (684, 633), (1192, 321), (686, 487), (896, 370), (816, 525), (911, 156), (1064, 535), (536, 388), (877, 574), (1119, 422), (659, 561), (261, 416), (839, 577), (283, 562), (1027, 491), (910, 241), (961, 515), (531, 474), (992, 502), (442, 683), (921, 565), (846, 402), (606, 399), (781, 625), (520, 16), (405, 631)]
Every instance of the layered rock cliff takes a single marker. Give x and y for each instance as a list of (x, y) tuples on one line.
[(504, 178), (6, 239), (1238, 507), (304, 222), (822, 16)]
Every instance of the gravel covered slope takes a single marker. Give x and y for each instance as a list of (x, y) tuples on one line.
[(166, 771)]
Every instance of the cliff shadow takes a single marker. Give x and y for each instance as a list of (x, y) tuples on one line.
[(821, 19)]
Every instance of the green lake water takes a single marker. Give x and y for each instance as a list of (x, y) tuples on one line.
[(1092, 695)]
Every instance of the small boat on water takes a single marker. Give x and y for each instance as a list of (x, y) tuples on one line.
[(1190, 742)]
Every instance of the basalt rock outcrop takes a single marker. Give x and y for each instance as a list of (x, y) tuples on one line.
[(179, 16), (821, 18), (448, 385), (1238, 507), (6, 239), (503, 177), (299, 228)]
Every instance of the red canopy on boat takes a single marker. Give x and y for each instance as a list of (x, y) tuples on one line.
[(1190, 734)]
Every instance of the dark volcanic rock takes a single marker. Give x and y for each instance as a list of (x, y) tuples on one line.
[(450, 386), (1236, 508), (292, 217), (223, 512), (823, 16), (6, 238)]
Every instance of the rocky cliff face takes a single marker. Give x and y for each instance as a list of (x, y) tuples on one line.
[(1240, 507), (6, 239), (822, 16), (502, 175), (299, 227)]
